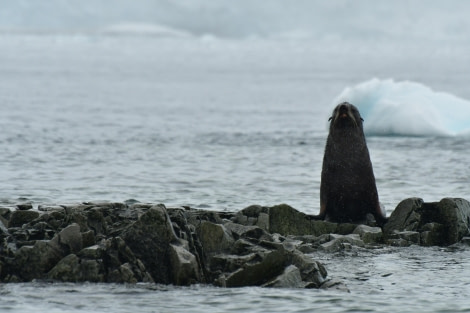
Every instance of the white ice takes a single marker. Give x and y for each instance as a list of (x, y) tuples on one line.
[(407, 108)]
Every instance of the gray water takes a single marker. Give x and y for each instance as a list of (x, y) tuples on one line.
[(223, 123), (412, 279)]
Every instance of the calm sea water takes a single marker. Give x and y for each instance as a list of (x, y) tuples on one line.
[(222, 124)]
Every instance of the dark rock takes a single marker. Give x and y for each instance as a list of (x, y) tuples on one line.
[(438, 223), (285, 220), (149, 238), (369, 235), (19, 218), (404, 238), (51, 208), (242, 231), (92, 252), (69, 239), (454, 214), (289, 278), (341, 242), (5, 214), (215, 238), (185, 268), (335, 284), (88, 238), (406, 216), (465, 241), (270, 265), (312, 272), (24, 206), (257, 246), (73, 269), (33, 262)]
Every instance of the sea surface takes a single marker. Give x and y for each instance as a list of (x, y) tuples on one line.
[(227, 112)]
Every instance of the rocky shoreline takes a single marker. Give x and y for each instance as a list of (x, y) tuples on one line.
[(257, 246)]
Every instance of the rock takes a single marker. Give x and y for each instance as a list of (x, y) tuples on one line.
[(257, 246), (335, 284), (242, 231), (285, 220), (184, 265), (73, 269), (289, 278), (341, 242), (33, 262), (69, 239), (24, 206), (369, 235), (51, 208), (88, 238), (5, 214), (405, 238), (149, 239), (405, 217), (454, 214), (438, 223), (254, 215), (92, 252), (465, 241), (312, 272), (257, 273), (19, 218), (214, 238)]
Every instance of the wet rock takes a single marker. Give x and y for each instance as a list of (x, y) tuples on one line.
[(19, 218), (69, 239), (214, 238), (73, 269), (289, 278), (256, 273), (257, 246), (5, 214), (312, 272), (285, 220), (184, 264), (254, 215), (24, 206), (92, 252), (33, 262), (341, 242), (149, 239), (405, 217), (335, 284), (241, 231), (404, 238), (51, 208), (369, 235), (438, 223), (454, 214), (465, 241)]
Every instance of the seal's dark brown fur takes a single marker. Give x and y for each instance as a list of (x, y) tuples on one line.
[(348, 191)]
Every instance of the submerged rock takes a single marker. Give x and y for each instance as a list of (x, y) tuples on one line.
[(257, 246)]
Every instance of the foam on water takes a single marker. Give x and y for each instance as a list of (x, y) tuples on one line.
[(407, 108)]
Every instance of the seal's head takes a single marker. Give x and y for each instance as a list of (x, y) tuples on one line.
[(345, 115)]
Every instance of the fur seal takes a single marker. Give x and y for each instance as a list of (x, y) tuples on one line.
[(347, 190)]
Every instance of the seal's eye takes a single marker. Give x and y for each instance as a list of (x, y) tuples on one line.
[(331, 117), (362, 119)]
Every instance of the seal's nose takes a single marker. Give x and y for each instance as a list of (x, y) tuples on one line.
[(343, 107)]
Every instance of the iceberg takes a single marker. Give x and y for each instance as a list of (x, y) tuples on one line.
[(407, 108)]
